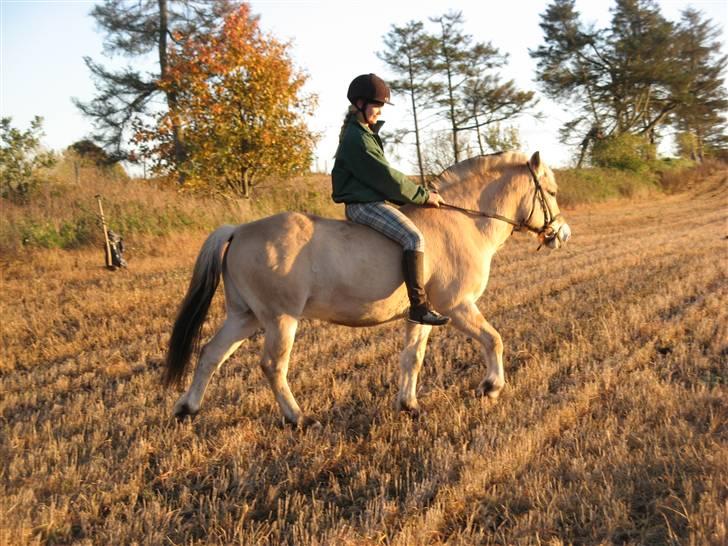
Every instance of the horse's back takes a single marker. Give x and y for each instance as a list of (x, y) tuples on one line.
[(304, 265)]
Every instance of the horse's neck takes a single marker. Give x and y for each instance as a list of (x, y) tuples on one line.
[(464, 194), (495, 197)]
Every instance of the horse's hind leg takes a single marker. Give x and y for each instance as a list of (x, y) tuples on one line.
[(410, 364), (234, 331), (468, 319), (279, 335)]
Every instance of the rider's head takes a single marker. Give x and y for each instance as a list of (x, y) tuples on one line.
[(368, 93)]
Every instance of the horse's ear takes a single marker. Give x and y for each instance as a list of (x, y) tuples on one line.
[(535, 161)]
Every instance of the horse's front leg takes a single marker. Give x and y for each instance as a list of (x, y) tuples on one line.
[(468, 319), (410, 363)]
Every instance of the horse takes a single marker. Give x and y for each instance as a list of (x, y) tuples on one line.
[(283, 268)]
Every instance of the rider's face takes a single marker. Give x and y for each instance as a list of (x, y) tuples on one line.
[(372, 112)]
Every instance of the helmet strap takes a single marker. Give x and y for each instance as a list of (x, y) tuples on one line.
[(363, 110)]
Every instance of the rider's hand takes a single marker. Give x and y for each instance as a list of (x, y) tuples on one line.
[(434, 199)]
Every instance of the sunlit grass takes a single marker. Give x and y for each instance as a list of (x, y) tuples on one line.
[(612, 427)]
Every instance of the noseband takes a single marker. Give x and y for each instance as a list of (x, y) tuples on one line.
[(545, 233)]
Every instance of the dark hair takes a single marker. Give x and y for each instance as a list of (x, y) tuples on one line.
[(351, 112)]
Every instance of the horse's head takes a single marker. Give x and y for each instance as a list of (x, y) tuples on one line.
[(543, 217), (530, 203)]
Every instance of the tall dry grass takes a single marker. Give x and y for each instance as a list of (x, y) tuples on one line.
[(612, 429), (63, 212)]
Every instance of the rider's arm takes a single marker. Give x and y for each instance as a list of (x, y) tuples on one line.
[(368, 164)]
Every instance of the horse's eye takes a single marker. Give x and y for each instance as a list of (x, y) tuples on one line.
[(552, 193)]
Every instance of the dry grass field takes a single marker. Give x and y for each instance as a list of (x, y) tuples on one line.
[(612, 428)]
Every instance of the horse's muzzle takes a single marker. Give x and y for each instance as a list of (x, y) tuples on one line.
[(558, 237)]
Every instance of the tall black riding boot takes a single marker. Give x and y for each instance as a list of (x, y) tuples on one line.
[(414, 279)]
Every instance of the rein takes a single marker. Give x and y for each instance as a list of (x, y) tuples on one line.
[(483, 214)]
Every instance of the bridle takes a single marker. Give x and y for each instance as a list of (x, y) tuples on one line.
[(545, 234)]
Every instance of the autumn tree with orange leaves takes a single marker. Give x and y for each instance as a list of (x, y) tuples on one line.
[(242, 107)]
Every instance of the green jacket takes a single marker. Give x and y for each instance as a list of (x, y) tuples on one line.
[(361, 174)]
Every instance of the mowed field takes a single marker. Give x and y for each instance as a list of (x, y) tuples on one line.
[(612, 428)]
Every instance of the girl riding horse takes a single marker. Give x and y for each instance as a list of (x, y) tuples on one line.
[(363, 180)]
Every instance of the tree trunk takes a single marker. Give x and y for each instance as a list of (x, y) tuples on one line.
[(246, 179), (477, 132), (417, 127), (456, 151), (699, 147), (177, 137), (581, 156), (451, 98)]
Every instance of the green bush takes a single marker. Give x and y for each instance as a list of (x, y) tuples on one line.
[(20, 159), (626, 152), (72, 233), (594, 185)]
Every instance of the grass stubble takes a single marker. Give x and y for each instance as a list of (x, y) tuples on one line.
[(611, 430)]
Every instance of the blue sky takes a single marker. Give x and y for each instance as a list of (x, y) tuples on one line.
[(43, 42)]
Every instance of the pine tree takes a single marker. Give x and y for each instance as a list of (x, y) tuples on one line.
[(468, 94), (632, 77), (701, 116), (139, 28), (486, 101), (407, 49), (644, 74)]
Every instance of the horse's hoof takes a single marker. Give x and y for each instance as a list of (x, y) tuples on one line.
[(303, 423), (413, 412), (184, 412), (309, 423), (488, 388)]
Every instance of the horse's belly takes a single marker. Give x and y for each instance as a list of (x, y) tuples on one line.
[(349, 307)]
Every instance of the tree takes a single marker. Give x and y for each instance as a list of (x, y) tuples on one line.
[(407, 49), (687, 145), (488, 102), (241, 105), (501, 139), (642, 52), (20, 157), (91, 152), (628, 78), (470, 97), (86, 154), (135, 29), (437, 155), (571, 68), (700, 118)]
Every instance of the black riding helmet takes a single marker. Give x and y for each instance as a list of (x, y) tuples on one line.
[(369, 87)]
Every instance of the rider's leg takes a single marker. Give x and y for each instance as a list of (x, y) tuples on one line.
[(413, 265), (392, 223)]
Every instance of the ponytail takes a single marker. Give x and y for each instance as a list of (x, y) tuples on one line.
[(351, 112)]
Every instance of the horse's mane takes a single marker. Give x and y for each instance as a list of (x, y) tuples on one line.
[(479, 165)]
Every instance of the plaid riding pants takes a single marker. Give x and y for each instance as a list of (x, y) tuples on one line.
[(388, 221)]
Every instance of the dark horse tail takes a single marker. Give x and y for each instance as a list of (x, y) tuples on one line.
[(185, 339)]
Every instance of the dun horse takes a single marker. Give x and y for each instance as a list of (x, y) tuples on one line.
[(290, 266)]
